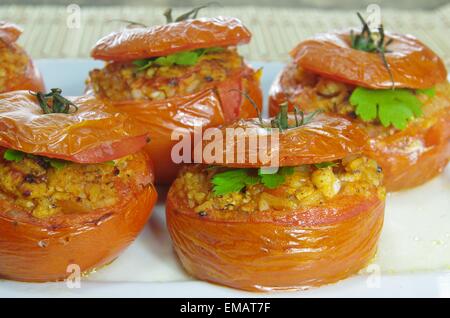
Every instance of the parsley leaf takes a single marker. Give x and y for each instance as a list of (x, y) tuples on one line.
[(325, 164), (392, 107), (57, 163), (232, 181), (430, 92), (185, 58), (237, 179), (142, 64), (274, 180), (17, 156), (13, 155), (168, 60)]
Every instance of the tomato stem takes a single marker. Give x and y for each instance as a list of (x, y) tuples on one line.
[(54, 102), (367, 41)]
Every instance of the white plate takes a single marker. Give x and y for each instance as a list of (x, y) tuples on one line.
[(413, 257)]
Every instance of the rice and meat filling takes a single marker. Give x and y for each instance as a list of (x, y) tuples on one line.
[(312, 92), (43, 189), (125, 81), (13, 62), (305, 186)]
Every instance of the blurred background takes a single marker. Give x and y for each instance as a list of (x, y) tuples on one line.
[(68, 29), (335, 4)]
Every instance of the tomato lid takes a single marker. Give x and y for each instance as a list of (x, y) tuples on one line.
[(412, 63), (95, 132), (161, 40), (324, 138)]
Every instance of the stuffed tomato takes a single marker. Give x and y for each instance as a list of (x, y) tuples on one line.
[(315, 221), (75, 186), (391, 84), (17, 70), (160, 67)]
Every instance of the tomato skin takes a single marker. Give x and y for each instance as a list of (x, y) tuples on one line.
[(280, 250), (211, 107), (325, 138), (278, 95), (30, 79), (36, 250), (403, 167), (263, 253), (406, 167), (234, 104), (413, 65), (227, 105), (9, 32), (95, 133), (162, 40), (161, 118)]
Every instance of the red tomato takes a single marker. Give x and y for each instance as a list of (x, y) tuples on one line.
[(95, 133), (161, 40), (38, 250), (413, 65), (273, 250), (325, 138), (29, 78)]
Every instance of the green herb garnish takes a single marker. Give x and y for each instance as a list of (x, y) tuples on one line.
[(391, 107), (274, 180), (325, 164), (430, 92), (57, 163), (237, 179), (18, 156), (186, 58), (372, 42), (13, 155), (233, 181), (54, 102)]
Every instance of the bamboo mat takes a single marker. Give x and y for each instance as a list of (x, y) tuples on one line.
[(275, 30)]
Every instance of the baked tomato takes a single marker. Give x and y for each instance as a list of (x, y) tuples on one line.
[(19, 71), (412, 64), (75, 186), (315, 221), (161, 40), (156, 69), (179, 115), (403, 105)]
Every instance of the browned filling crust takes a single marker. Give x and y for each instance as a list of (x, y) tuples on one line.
[(124, 81), (43, 191), (307, 186), (13, 63), (312, 92)]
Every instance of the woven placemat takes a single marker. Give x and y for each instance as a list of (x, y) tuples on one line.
[(275, 30)]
